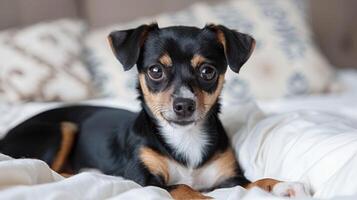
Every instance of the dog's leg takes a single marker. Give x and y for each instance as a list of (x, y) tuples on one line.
[(68, 131), (291, 189), (280, 188), (231, 182), (66, 175), (183, 192), (50, 142), (265, 184)]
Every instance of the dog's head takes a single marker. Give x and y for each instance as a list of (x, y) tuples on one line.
[(181, 69)]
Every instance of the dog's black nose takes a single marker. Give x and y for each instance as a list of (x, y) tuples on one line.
[(184, 107)]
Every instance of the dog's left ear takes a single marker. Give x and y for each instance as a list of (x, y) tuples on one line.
[(237, 46), (126, 44)]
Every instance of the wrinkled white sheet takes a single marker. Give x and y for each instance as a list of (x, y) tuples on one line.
[(312, 147), (295, 143), (34, 180), (316, 148)]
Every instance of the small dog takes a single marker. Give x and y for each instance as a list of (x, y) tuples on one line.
[(176, 141)]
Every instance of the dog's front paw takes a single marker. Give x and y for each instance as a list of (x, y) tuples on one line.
[(291, 189)]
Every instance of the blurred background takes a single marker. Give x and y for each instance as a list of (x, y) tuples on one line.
[(55, 50)]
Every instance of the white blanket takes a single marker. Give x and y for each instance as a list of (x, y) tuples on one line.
[(314, 147)]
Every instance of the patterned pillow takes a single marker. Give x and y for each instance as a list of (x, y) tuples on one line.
[(285, 63), (43, 63)]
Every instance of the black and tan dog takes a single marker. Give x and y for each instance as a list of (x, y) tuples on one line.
[(176, 141)]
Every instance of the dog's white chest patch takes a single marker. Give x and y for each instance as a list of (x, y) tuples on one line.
[(201, 178), (189, 142)]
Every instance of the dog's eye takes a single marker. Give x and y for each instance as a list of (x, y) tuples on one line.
[(156, 72), (207, 72)]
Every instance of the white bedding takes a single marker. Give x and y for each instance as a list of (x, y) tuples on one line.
[(295, 143)]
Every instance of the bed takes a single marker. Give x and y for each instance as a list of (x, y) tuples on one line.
[(296, 132), (318, 131)]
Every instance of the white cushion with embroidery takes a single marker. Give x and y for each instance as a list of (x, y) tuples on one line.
[(43, 63)]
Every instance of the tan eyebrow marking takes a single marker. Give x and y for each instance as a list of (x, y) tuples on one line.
[(197, 60), (165, 59)]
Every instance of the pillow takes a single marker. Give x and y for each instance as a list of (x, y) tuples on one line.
[(285, 63), (43, 63)]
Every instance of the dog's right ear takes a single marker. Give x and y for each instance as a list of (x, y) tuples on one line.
[(126, 44), (237, 46)]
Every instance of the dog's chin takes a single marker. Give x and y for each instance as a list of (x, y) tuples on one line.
[(184, 126), (181, 123), (178, 123)]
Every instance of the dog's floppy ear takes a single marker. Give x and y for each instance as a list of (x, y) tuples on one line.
[(126, 44), (237, 46)]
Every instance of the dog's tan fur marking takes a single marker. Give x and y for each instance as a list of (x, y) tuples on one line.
[(226, 162), (156, 163), (66, 175), (145, 33), (222, 39), (197, 60), (266, 184), (186, 192), (111, 44), (252, 47), (225, 166), (68, 131), (165, 59), (155, 101), (205, 99)]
